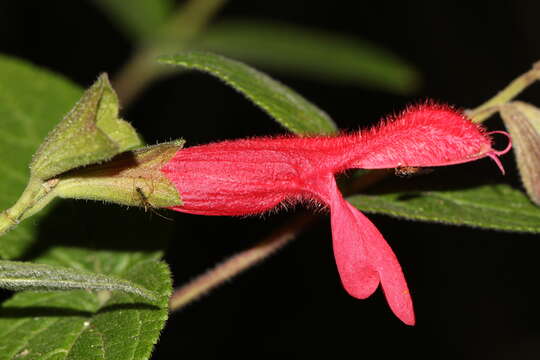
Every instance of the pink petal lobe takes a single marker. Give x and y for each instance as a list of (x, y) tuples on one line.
[(363, 258)]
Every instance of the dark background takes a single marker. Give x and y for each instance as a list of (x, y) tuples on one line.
[(475, 291)]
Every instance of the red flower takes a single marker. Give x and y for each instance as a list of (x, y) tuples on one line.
[(251, 176)]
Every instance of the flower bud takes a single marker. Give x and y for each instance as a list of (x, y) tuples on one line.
[(523, 122), (91, 132)]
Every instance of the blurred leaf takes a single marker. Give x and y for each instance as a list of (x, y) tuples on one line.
[(323, 55), (286, 106), (32, 101), (19, 276), (84, 325), (523, 122), (496, 207), (139, 19)]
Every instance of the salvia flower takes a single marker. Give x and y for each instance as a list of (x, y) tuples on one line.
[(251, 176)]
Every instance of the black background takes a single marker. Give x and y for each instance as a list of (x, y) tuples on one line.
[(475, 291)]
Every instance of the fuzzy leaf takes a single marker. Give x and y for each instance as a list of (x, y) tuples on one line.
[(85, 325), (497, 207), (99, 239), (323, 55), (18, 276), (138, 19), (92, 325), (286, 106), (32, 101)]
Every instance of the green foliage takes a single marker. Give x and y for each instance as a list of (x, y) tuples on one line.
[(75, 324), (32, 101), (284, 105), (158, 29), (317, 54), (496, 207)]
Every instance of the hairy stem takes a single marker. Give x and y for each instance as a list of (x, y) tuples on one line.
[(484, 111), (36, 195), (238, 263), (135, 75)]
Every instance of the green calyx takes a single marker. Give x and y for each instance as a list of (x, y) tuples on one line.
[(133, 178), (90, 133)]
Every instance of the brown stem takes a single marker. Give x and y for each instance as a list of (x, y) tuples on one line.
[(238, 263), (135, 75)]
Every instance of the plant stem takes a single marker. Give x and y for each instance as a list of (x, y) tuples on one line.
[(135, 75), (174, 36), (513, 89), (238, 263), (36, 195)]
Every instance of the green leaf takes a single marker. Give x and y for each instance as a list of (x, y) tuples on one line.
[(139, 19), (286, 106), (32, 101), (92, 132), (100, 239), (18, 276), (323, 55), (498, 207), (84, 325)]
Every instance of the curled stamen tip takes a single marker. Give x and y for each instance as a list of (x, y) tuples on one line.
[(493, 155), (508, 147)]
